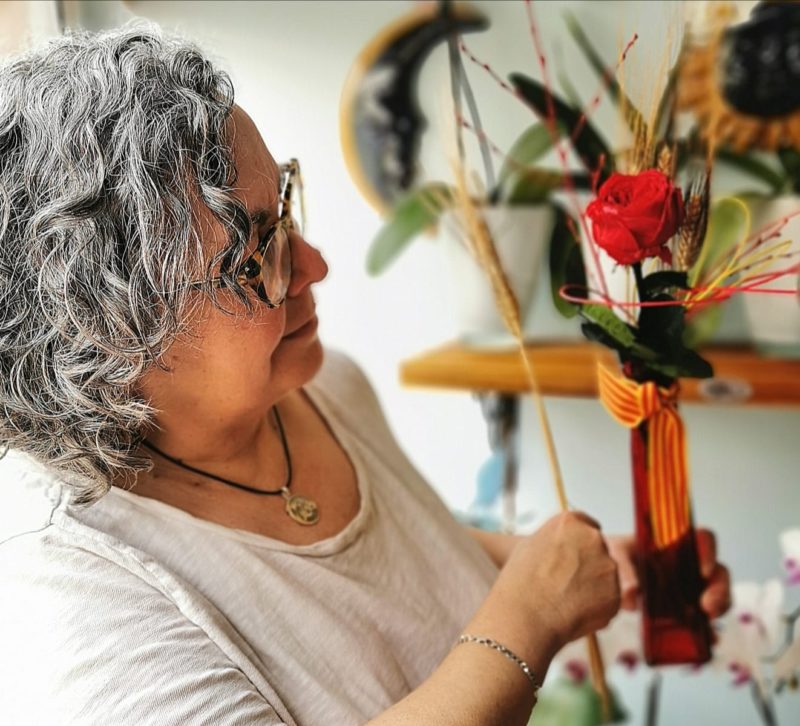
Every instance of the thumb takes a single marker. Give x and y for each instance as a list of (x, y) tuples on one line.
[(621, 549), (628, 585)]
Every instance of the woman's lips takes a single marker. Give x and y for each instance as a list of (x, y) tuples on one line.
[(307, 328)]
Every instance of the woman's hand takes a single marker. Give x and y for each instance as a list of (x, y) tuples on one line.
[(560, 579), (716, 598)]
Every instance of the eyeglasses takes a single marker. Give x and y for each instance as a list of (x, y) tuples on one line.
[(268, 271)]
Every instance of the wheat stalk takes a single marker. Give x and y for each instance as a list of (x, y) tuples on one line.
[(695, 224), (480, 242), (666, 161), (690, 244)]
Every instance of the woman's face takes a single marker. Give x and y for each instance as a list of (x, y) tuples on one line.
[(236, 367)]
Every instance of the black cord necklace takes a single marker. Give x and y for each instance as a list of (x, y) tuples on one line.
[(301, 509)]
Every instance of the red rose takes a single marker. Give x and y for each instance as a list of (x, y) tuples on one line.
[(634, 216)]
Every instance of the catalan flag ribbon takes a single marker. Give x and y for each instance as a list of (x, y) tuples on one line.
[(632, 403)]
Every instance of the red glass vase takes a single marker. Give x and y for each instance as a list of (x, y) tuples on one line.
[(675, 630)]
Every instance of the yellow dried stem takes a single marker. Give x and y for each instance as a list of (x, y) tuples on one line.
[(479, 240), (666, 161), (691, 241), (481, 245)]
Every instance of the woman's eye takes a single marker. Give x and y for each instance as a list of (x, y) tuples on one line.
[(251, 268)]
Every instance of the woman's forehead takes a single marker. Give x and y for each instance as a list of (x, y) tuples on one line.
[(257, 182), (258, 175)]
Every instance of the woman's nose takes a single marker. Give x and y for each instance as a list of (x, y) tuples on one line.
[(308, 265)]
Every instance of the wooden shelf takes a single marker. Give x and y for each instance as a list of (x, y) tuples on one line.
[(742, 375)]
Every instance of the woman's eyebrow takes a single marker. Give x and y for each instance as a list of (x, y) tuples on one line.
[(259, 217)]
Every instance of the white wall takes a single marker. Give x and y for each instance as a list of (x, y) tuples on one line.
[(288, 61)]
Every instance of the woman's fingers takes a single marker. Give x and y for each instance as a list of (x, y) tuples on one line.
[(706, 551), (622, 550), (585, 518), (716, 599)]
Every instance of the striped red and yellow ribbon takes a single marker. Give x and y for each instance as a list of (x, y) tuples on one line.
[(631, 403)]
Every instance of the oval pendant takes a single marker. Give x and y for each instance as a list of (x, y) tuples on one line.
[(302, 510)]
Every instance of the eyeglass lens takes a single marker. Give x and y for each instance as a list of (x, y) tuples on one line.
[(276, 270)]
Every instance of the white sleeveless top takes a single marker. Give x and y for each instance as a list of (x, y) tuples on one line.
[(132, 611)]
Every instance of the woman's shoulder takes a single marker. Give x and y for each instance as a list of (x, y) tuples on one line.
[(106, 646), (114, 637), (51, 557)]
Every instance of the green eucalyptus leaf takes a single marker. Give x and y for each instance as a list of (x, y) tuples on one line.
[(694, 365), (566, 263), (414, 213), (790, 160), (670, 371), (579, 181), (603, 326), (529, 147), (728, 224), (532, 186), (663, 280), (689, 364), (588, 144), (663, 330), (661, 327), (610, 323), (633, 116), (596, 334)]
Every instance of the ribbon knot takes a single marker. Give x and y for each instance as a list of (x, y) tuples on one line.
[(631, 404)]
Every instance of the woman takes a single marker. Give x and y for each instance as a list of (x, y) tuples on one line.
[(212, 522)]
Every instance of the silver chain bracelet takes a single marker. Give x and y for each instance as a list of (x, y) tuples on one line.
[(526, 669)]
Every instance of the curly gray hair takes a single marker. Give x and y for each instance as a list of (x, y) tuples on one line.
[(107, 142)]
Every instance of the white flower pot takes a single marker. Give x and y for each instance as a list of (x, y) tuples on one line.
[(521, 236), (619, 281), (774, 319)]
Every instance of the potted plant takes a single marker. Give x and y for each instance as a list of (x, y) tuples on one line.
[(519, 211), (518, 205)]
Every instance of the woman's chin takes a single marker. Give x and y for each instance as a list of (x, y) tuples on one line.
[(298, 358)]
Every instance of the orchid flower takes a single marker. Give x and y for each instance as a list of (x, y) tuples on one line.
[(790, 544), (753, 630)]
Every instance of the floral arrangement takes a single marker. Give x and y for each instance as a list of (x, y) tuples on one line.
[(651, 214), (636, 218)]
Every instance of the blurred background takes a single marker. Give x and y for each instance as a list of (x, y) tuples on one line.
[(289, 62)]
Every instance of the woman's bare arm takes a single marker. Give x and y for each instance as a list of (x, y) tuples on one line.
[(496, 544), (557, 585), (475, 685)]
